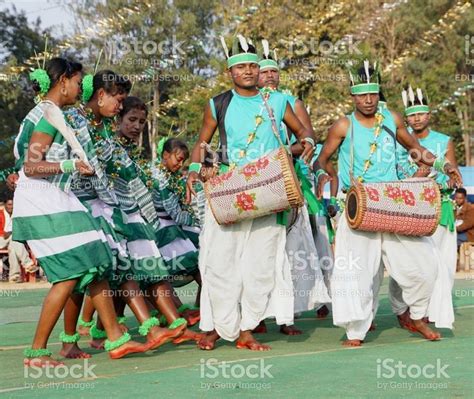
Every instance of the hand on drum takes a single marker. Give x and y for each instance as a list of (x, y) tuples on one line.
[(308, 151), (323, 179), (455, 178), (193, 177)]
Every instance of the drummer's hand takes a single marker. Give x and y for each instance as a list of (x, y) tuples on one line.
[(455, 177), (83, 168), (332, 211), (323, 179), (308, 151), (193, 177), (11, 181), (207, 172)]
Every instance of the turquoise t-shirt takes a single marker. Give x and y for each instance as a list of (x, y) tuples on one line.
[(435, 142), (383, 159), (240, 121)]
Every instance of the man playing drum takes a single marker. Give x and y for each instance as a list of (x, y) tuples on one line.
[(418, 115), (370, 158), (244, 267)]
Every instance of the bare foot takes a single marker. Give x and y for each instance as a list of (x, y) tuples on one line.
[(97, 343), (322, 312), (261, 328), (42, 361), (405, 321), (290, 330), (123, 328), (247, 341), (208, 341), (72, 351), (83, 330), (127, 349), (421, 327), (159, 336), (188, 335), (191, 316), (352, 342)]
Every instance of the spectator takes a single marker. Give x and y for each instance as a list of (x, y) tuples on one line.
[(17, 253), (464, 217)]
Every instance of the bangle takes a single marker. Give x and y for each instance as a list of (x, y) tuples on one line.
[(333, 201), (439, 165), (195, 167), (68, 166), (309, 140), (319, 173)]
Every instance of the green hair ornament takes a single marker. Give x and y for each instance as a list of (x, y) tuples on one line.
[(41, 77), (87, 87)]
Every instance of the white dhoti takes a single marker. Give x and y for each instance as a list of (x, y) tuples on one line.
[(323, 247), (308, 281), (246, 275), (356, 278), (440, 310)]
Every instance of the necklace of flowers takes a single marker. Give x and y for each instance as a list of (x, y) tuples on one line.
[(176, 185), (266, 91), (373, 145)]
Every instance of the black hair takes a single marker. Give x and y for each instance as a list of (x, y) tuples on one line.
[(173, 144), (251, 49), (461, 190), (361, 76), (111, 82), (132, 103), (57, 67)]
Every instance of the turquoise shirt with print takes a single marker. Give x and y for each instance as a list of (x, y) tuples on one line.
[(435, 142), (240, 121), (383, 160)]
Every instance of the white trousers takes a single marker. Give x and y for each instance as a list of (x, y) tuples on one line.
[(324, 249), (356, 278), (17, 255), (440, 310), (245, 274), (308, 281)]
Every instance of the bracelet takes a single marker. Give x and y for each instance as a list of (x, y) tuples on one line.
[(439, 165), (68, 166), (309, 140), (333, 201), (319, 173), (195, 167)]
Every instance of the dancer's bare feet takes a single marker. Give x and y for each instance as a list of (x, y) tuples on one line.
[(97, 343), (208, 341), (188, 335), (261, 328), (72, 351), (127, 349), (159, 336), (290, 330), (322, 312), (83, 330), (424, 330), (191, 316), (352, 342), (247, 341), (42, 361)]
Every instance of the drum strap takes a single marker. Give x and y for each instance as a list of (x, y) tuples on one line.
[(221, 103), (275, 130)]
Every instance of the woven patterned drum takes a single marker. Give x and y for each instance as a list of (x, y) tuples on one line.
[(268, 185), (409, 207)]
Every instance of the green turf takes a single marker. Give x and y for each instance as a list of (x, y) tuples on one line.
[(309, 366)]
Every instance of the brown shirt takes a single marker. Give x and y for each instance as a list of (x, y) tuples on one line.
[(466, 214)]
